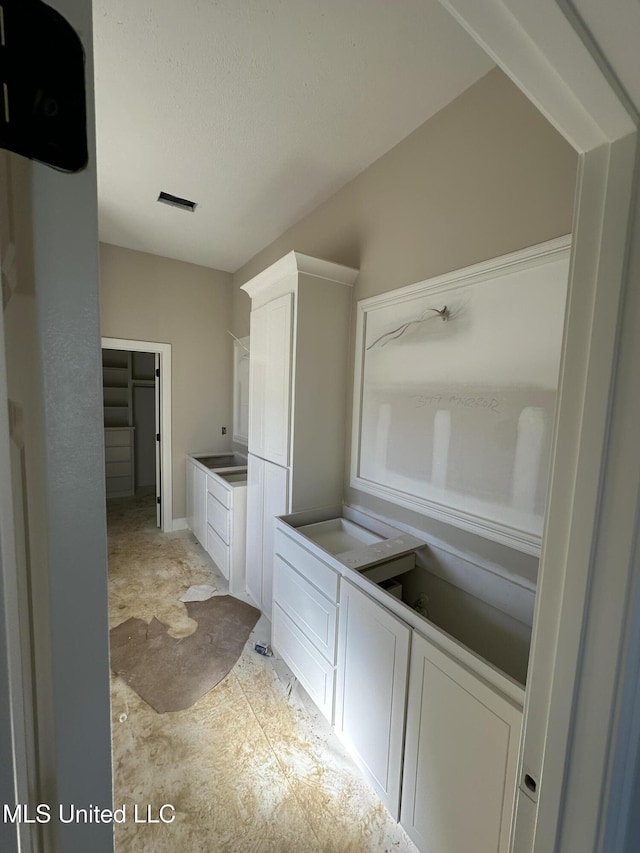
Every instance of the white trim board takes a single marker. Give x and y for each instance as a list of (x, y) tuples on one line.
[(17, 737), (166, 482), (571, 713)]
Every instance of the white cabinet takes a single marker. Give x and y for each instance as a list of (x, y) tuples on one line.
[(437, 739), (267, 497), (270, 380), (118, 459), (373, 657), (461, 754), (216, 515), (305, 612), (300, 311), (226, 501), (197, 501)]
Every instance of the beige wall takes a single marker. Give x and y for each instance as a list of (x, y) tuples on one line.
[(149, 298), (485, 176)]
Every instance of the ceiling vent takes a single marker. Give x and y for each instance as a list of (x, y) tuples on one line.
[(176, 201)]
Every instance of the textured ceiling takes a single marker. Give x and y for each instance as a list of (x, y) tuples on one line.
[(258, 110)]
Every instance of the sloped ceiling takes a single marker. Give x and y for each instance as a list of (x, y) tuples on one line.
[(258, 111)]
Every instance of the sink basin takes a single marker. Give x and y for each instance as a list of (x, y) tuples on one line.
[(220, 461), (374, 555), (339, 535), (234, 476)]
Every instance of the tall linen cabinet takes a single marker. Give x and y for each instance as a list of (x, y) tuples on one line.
[(300, 310)]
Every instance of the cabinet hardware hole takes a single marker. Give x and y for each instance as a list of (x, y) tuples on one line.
[(530, 782)]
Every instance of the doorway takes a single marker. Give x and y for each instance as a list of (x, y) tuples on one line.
[(137, 421)]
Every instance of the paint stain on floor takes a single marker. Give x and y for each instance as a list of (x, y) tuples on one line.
[(252, 766)]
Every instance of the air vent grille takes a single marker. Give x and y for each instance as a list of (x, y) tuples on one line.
[(176, 201)]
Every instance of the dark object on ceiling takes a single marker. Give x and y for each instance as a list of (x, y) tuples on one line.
[(176, 201), (42, 87)]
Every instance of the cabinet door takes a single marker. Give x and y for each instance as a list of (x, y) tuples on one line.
[(373, 656), (255, 496), (270, 379), (461, 754), (275, 502)]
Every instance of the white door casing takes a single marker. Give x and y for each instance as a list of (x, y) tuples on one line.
[(571, 710), (158, 443)]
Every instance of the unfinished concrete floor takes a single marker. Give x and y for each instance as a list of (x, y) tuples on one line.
[(252, 766)]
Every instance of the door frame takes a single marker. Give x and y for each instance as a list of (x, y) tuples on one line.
[(166, 479), (600, 369), (575, 705), (17, 737)]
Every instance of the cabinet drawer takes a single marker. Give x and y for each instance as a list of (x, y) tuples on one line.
[(308, 565), (121, 453), (218, 517), (313, 614), (118, 469), (315, 674), (218, 551), (117, 437), (219, 490)]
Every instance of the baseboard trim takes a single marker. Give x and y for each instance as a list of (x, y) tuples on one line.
[(179, 524)]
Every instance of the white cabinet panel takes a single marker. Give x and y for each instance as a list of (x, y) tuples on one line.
[(255, 512), (270, 379), (312, 567), (119, 461), (267, 497), (314, 614), (218, 517), (197, 502), (200, 505), (316, 675), (218, 551), (275, 502), (257, 381), (241, 390), (373, 655), (461, 754), (219, 489), (216, 514)]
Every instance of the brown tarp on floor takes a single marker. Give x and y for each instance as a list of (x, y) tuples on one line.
[(172, 674)]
